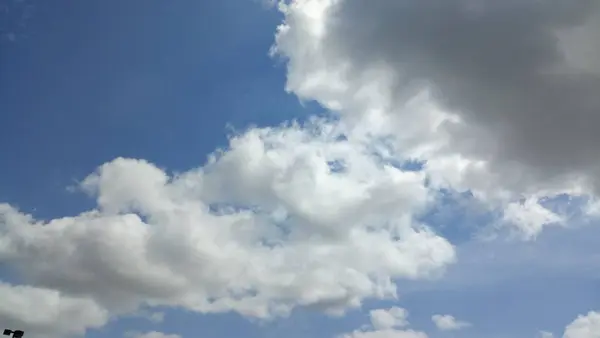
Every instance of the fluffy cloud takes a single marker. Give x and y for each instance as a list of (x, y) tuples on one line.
[(43, 312), (584, 326), (448, 323), (286, 217), (390, 318), (497, 98), (386, 323)]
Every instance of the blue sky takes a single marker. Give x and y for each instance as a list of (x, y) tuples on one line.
[(95, 80), (85, 82)]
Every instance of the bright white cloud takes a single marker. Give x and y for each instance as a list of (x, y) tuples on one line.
[(584, 326), (386, 323), (389, 318), (286, 217), (448, 323), (43, 312)]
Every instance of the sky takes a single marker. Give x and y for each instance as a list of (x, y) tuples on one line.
[(300, 168)]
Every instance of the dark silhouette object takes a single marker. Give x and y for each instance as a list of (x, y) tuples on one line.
[(15, 334)]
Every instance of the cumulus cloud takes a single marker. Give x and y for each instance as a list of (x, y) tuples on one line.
[(584, 326), (285, 217), (448, 323), (386, 323), (44, 312), (389, 318), (497, 98)]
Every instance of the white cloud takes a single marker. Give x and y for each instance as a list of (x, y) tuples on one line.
[(390, 318), (448, 323), (263, 227), (426, 76), (530, 217), (584, 326), (43, 312), (386, 324)]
